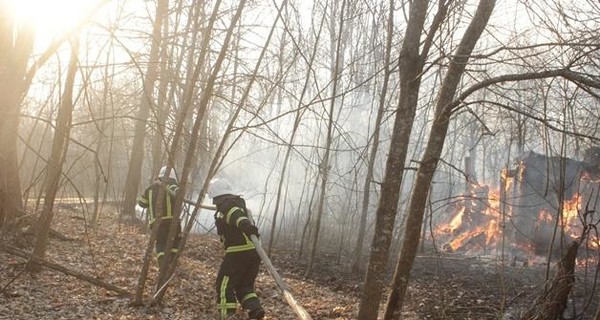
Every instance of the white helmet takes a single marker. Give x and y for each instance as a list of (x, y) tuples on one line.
[(163, 172), (218, 187)]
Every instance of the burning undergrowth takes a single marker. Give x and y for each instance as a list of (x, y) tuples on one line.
[(539, 207)]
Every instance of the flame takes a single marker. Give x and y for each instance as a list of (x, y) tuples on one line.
[(508, 179), (456, 222), (477, 220), (570, 214), (459, 241), (594, 242), (476, 216), (491, 231)]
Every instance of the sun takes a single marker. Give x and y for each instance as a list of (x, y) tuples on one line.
[(50, 18)]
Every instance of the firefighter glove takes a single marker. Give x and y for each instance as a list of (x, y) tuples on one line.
[(249, 229)]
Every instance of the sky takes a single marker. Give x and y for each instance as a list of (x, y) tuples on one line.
[(51, 19)]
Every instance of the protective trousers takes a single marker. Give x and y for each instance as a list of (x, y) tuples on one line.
[(162, 237), (235, 282)]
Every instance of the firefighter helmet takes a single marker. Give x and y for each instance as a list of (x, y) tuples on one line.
[(218, 187), (163, 173)]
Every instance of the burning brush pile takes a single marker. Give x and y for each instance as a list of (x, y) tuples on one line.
[(541, 206)]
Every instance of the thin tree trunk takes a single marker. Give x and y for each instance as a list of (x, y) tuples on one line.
[(134, 171), (430, 159), (162, 108), (553, 302), (305, 229), (298, 211), (324, 165), (100, 175), (60, 145), (297, 120), (374, 144), (16, 44), (141, 285)]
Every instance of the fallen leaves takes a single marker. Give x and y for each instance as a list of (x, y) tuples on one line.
[(114, 254)]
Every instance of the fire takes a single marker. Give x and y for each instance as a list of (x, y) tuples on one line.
[(477, 222), (570, 213), (474, 225), (460, 240), (491, 231), (456, 221), (508, 179)]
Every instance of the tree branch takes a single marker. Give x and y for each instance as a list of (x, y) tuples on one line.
[(93, 280)]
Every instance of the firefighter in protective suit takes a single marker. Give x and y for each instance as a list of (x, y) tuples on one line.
[(164, 184), (240, 265)]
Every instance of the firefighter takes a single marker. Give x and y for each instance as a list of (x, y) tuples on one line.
[(165, 185), (240, 265)]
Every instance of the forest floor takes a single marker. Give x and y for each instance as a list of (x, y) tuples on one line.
[(448, 287)]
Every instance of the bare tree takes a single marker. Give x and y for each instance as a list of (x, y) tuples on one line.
[(134, 172), (431, 156), (411, 64), (60, 145), (300, 110), (191, 151), (16, 44), (324, 166), (374, 141)]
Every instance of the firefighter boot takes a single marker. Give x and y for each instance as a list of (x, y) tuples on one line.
[(255, 310), (257, 314)]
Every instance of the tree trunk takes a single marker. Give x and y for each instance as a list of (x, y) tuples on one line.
[(375, 144), (60, 145), (16, 44), (134, 172), (307, 223), (552, 304), (324, 169), (411, 66), (100, 176), (297, 120), (160, 138), (431, 156)]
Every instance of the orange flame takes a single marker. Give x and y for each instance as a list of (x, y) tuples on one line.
[(465, 225)]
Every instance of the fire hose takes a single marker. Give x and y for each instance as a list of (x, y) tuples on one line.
[(298, 309)]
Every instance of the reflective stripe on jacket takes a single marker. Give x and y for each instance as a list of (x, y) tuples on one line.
[(228, 228)]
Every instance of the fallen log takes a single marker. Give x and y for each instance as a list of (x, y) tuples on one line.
[(93, 280), (553, 301)]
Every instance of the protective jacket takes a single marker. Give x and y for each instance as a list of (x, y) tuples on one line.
[(149, 199), (231, 220), (168, 187)]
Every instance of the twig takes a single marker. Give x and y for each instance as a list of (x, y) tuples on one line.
[(3, 290)]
